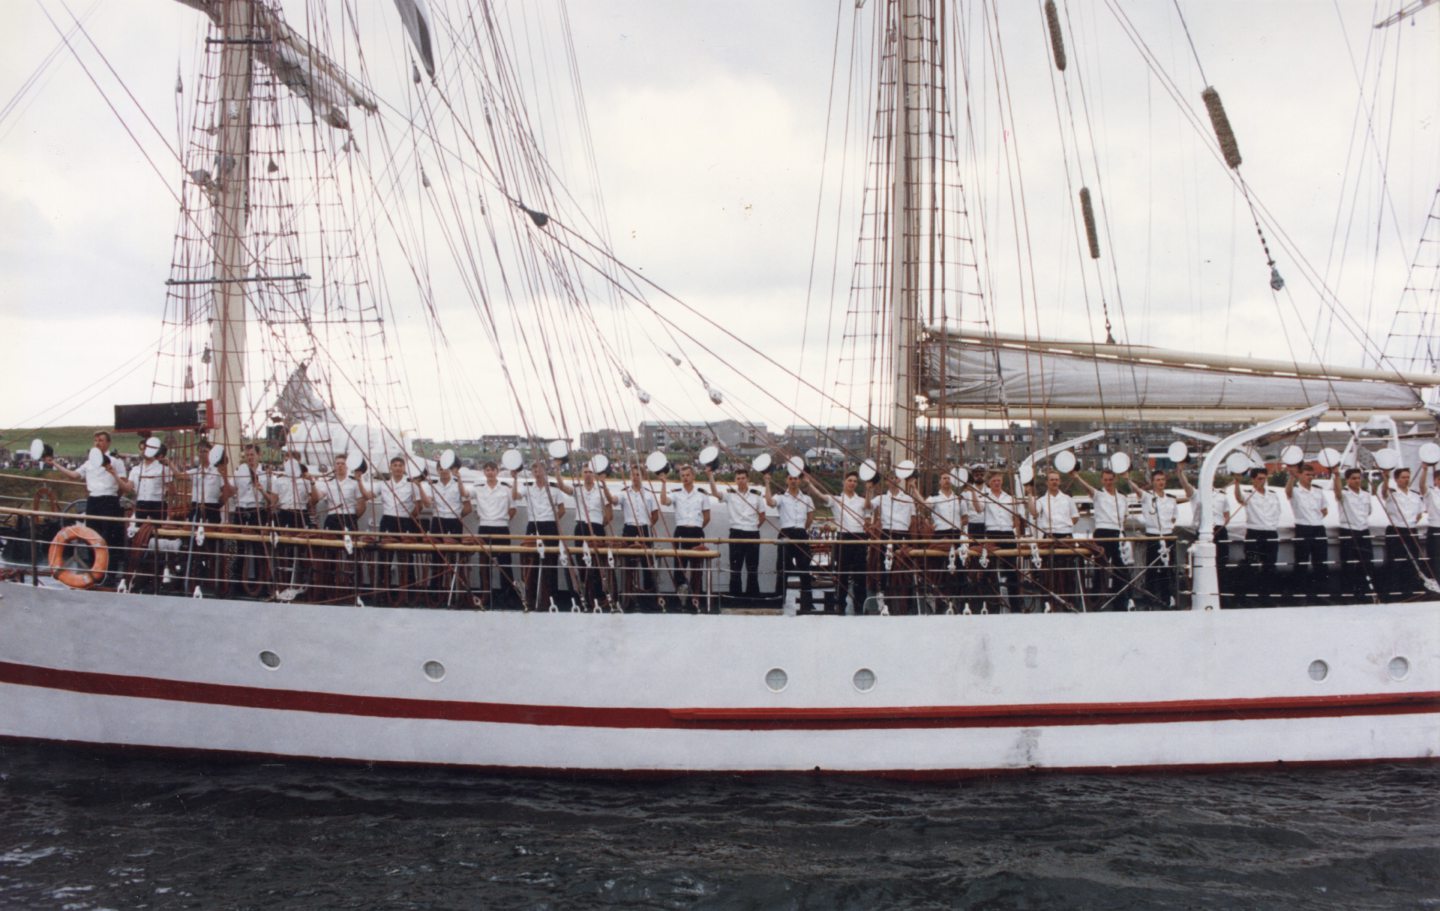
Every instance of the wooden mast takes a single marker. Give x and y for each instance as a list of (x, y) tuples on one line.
[(232, 204), (904, 232)]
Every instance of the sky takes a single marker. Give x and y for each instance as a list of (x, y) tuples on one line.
[(709, 127)]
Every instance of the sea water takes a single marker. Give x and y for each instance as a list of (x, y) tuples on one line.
[(81, 830)]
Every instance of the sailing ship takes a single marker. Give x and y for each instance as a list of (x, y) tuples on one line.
[(305, 667)]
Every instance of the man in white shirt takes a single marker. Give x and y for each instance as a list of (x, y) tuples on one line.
[(151, 480), (102, 492), (401, 500), (946, 514), (1001, 519), (1157, 515), (1261, 506), (639, 511), (1312, 546), (1053, 512), (1219, 501), (253, 498), (1357, 553), (692, 514), (893, 514), (746, 509), (343, 496), (1432, 516), (796, 510), (294, 494), (449, 503), (1404, 508), (1109, 508), (543, 510), (494, 508), (209, 486), (594, 507), (851, 513)]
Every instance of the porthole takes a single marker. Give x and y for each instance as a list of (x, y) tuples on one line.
[(864, 680), (1319, 670), (1399, 667), (270, 659), (776, 679), (434, 670)]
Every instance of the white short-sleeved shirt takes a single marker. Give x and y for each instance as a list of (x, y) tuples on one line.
[(947, 512), (1055, 514), (99, 482), (895, 510), (1308, 505), (340, 495), (446, 499), (1432, 507), (589, 503), (794, 509), (397, 498), (690, 507), (1354, 509), (998, 510), (1402, 507), (745, 509), (149, 479), (1262, 509), (492, 504), (540, 502), (1219, 506), (850, 512), (637, 506), (205, 485), (290, 493), (1109, 509), (250, 487), (1158, 513)]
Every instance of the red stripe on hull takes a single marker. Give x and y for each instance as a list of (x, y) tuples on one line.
[(1046, 715)]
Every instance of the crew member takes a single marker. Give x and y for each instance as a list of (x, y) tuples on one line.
[(594, 508), (150, 481), (1357, 553), (253, 498), (852, 513), (948, 516), (543, 510), (997, 509), (1432, 516), (102, 492), (1220, 520), (1262, 533), (692, 514), (1312, 547), (796, 510), (401, 501), (893, 514), (343, 496), (209, 486), (639, 511), (294, 494), (746, 509), (1157, 515), (494, 508), (1109, 508), (1403, 511)]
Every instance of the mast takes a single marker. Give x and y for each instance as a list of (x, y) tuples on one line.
[(905, 231), (232, 204)]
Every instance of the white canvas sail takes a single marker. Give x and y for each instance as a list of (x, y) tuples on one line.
[(984, 376)]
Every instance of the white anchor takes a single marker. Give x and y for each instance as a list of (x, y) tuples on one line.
[(950, 565), (200, 535), (889, 557), (198, 595)]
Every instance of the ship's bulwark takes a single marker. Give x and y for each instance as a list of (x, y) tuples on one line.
[(679, 693)]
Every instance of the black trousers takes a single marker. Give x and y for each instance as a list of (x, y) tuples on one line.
[(113, 532), (638, 567), (1357, 561), (1002, 569), (1399, 576), (1312, 550), (340, 522), (591, 578), (1160, 572), (687, 570), (1113, 571), (542, 574), (291, 518), (745, 563), (205, 513), (1262, 547), (795, 559), (850, 570), (149, 511), (493, 564), (399, 524)]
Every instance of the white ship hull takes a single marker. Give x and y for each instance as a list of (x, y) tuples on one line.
[(678, 693)]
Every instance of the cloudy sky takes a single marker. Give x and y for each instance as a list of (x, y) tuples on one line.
[(709, 123)]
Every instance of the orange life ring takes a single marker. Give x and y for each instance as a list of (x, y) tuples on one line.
[(79, 578)]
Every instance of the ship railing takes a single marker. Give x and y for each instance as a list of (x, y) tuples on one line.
[(668, 573)]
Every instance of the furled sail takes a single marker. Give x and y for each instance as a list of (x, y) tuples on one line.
[(985, 376), (416, 17)]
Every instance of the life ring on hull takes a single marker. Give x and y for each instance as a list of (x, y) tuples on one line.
[(79, 578)]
